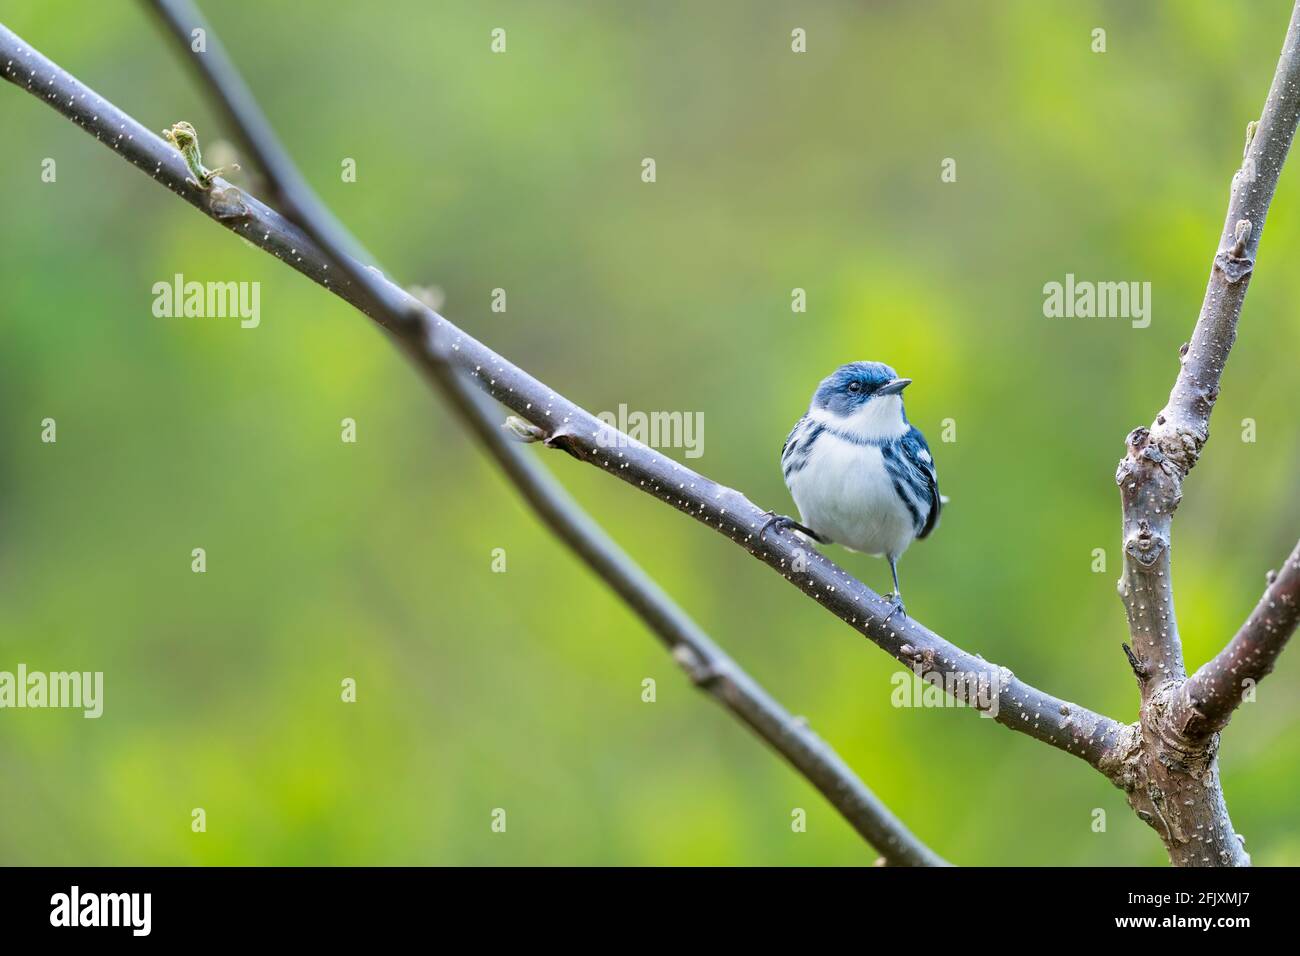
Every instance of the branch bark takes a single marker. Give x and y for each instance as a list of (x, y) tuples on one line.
[(429, 342), (1222, 683), (1169, 766), (1021, 707), (705, 663), (1167, 762)]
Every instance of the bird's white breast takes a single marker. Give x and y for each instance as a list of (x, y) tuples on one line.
[(878, 420), (844, 493)]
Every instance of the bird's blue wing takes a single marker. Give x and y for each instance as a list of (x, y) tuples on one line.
[(792, 456), (790, 437), (918, 453)]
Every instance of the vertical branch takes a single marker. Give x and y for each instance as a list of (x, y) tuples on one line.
[(1149, 490), (1171, 772), (1159, 458)]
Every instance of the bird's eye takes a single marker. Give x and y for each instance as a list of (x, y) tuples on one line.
[(855, 386)]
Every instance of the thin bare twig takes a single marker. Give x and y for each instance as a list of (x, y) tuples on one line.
[(711, 669)]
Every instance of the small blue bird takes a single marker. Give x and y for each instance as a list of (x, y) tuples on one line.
[(861, 475)]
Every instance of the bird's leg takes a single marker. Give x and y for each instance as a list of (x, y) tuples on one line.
[(781, 522), (896, 597)]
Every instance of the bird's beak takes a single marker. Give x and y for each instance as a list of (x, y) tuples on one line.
[(894, 387)]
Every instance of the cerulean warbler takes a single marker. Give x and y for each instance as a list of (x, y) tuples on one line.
[(861, 475)]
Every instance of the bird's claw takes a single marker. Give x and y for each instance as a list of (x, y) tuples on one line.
[(895, 606), (781, 521)]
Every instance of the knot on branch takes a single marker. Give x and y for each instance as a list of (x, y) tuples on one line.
[(1181, 445), (1120, 762), (1182, 745), (227, 202), (1172, 783), (1126, 475), (1152, 453), (921, 660), (1192, 722), (567, 440), (1145, 546), (1148, 450), (701, 672), (1170, 446), (1233, 269), (1234, 263)]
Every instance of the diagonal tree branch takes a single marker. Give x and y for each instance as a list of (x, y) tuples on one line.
[(1018, 706), (706, 664), (1217, 689), (1021, 707), (1150, 479), (1170, 769)]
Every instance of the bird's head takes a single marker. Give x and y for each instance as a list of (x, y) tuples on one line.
[(865, 397)]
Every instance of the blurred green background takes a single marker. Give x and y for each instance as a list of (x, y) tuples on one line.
[(522, 690)]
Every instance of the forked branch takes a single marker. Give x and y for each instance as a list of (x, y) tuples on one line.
[(1150, 477), (1169, 766)]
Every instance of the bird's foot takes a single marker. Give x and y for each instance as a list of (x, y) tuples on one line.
[(895, 606), (782, 522)]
